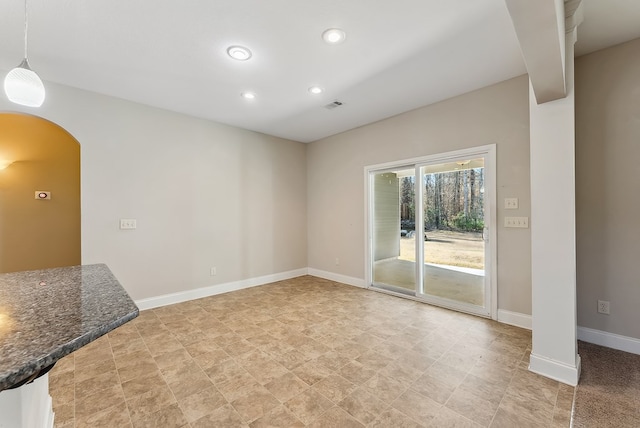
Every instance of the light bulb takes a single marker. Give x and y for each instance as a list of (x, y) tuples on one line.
[(239, 53), (333, 36)]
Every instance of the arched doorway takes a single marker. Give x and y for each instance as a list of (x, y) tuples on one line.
[(38, 231)]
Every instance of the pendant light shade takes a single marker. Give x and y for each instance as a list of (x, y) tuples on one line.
[(22, 85)]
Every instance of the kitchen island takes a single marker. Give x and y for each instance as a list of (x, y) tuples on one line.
[(44, 316)]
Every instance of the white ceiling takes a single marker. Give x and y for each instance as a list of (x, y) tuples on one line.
[(399, 55)]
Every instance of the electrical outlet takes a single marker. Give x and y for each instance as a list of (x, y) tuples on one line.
[(603, 307), (337, 261), (214, 271), (510, 203), (128, 223)]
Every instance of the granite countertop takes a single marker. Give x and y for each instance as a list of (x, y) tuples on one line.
[(47, 314)]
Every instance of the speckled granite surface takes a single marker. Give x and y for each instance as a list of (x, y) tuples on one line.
[(47, 314)]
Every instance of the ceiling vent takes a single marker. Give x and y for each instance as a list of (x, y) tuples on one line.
[(333, 105)]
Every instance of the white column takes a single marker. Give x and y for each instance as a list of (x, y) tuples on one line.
[(28, 406), (553, 250)]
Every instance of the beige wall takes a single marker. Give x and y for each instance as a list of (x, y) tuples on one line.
[(497, 114), (38, 234), (204, 194), (607, 187)]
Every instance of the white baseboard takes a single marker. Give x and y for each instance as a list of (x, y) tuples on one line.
[(198, 293), (556, 370), (349, 280), (514, 318), (610, 340)]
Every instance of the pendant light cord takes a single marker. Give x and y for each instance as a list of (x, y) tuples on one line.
[(26, 27)]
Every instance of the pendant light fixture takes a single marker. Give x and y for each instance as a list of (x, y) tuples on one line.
[(22, 85)]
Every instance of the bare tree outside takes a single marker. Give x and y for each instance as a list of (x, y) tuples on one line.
[(453, 217), (454, 201)]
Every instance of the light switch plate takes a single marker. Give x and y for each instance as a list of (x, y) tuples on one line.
[(520, 222), (510, 203)]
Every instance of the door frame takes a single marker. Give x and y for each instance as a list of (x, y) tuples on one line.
[(489, 154)]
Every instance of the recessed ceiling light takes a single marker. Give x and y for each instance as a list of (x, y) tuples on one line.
[(315, 90), (334, 36), (239, 52), (248, 95)]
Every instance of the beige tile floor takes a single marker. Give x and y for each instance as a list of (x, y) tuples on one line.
[(306, 352)]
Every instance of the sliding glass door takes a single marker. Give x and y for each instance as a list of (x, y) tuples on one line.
[(394, 251), (453, 215), (429, 229)]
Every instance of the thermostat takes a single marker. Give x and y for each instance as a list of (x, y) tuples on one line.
[(43, 194)]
